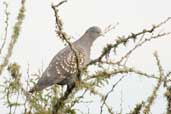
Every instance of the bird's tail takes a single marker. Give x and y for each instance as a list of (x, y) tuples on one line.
[(37, 87)]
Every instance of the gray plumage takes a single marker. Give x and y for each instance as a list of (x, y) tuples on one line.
[(62, 69)]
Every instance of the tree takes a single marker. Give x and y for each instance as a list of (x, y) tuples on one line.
[(59, 100)]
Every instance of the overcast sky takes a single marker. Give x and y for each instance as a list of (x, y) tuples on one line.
[(38, 43)]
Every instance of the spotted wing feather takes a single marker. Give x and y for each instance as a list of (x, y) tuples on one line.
[(62, 69)]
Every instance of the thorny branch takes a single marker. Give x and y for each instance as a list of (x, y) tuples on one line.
[(139, 45), (124, 41), (154, 93), (64, 37), (123, 70), (142, 42)]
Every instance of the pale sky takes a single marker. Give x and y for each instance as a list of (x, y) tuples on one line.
[(38, 43)]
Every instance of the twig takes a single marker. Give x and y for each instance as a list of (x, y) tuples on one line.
[(27, 85), (109, 108), (154, 93), (123, 40), (6, 27), (15, 108), (121, 105), (139, 45), (106, 96), (124, 70), (109, 28), (60, 3)]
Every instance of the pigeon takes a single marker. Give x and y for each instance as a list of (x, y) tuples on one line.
[(63, 68)]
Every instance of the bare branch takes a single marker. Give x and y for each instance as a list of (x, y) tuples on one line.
[(106, 96), (124, 70), (109, 28), (15, 35), (6, 27)]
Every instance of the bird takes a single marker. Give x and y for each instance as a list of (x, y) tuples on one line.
[(63, 68)]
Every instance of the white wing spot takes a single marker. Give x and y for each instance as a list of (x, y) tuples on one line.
[(64, 67)]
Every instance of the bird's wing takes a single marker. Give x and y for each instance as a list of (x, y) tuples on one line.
[(64, 63), (62, 67)]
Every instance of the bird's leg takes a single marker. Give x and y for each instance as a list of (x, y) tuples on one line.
[(78, 82), (70, 87), (60, 102), (78, 79)]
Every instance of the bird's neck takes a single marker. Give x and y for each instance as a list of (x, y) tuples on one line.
[(86, 41)]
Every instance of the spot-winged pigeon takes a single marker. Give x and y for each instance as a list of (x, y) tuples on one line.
[(62, 69)]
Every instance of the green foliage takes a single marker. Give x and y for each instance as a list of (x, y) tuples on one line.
[(70, 111), (14, 70)]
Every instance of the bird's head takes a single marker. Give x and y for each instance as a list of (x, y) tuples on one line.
[(94, 32)]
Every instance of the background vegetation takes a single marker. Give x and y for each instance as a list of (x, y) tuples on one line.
[(15, 90)]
